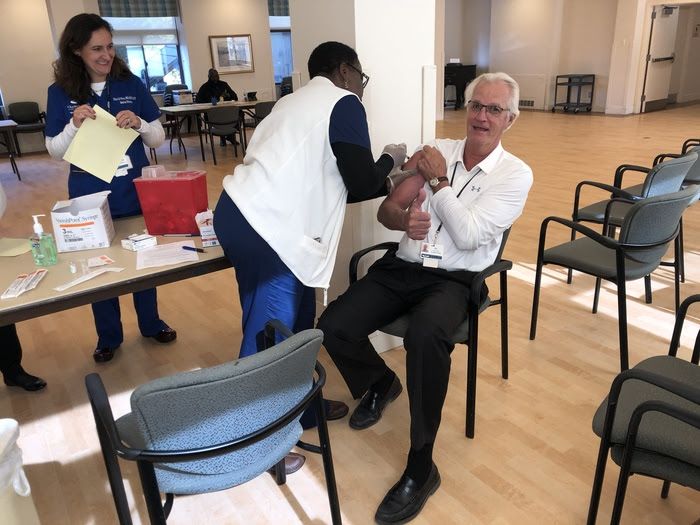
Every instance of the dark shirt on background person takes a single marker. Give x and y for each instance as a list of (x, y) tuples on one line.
[(215, 89)]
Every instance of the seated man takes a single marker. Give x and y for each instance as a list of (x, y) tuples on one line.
[(467, 193), (215, 89)]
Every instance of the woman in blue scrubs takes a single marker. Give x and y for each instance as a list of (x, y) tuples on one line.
[(88, 73)]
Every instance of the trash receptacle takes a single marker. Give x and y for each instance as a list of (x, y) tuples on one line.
[(15, 494)]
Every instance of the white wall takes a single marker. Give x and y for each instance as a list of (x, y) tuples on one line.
[(338, 25), (689, 79), (26, 54), (587, 39), (454, 33), (476, 34), (202, 19), (525, 43)]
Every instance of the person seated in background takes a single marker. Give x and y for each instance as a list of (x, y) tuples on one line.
[(10, 348), (466, 194), (215, 89)]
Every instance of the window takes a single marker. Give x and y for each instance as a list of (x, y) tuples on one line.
[(281, 54), (150, 48)]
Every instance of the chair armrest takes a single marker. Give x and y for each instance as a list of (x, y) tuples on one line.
[(42, 116), (608, 207), (275, 325), (688, 392), (688, 144), (479, 279), (580, 228), (615, 191), (97, 396), (678, 329), (355, 259), (623, 168), (663, 156)]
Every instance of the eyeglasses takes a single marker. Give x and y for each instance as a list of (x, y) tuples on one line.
[(491, 109), (365, 78)]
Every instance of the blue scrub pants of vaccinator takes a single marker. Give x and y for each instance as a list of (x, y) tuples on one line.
[(110, 333), (266, 287)]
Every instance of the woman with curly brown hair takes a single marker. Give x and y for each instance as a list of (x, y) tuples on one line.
[(89, 73)]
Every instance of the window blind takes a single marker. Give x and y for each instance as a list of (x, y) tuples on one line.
[(138, 8), (278, 7)]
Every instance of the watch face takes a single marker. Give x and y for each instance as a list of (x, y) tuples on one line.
[(433, 182)]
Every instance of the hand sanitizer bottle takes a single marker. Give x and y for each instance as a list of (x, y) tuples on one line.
[(43, 245)]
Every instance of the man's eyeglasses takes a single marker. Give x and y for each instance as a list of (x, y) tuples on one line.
[(491, 109), (365, 78)]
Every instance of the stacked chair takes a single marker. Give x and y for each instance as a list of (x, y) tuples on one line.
[(650, 422), (648, 228)]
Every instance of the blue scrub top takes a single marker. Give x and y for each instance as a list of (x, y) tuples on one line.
[(118, 95), (348, 123)]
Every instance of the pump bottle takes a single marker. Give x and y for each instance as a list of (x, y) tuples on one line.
[(43, 245)]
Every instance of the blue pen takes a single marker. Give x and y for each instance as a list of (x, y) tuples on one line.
[(191, 249)]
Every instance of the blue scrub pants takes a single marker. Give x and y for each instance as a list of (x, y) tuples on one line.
[(267, 288), (110, 333)]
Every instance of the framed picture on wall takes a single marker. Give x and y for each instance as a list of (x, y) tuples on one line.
[(231, 53)]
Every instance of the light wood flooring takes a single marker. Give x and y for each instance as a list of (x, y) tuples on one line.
[(533, 457)]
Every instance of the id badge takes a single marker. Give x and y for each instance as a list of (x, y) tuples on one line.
[(124, 166), (431, 254)]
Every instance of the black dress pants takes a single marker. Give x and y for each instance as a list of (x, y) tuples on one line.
[(437, 303), (10, 349)]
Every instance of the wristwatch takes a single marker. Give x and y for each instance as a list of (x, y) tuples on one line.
[(437, 180)]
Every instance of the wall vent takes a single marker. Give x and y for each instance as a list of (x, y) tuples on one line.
[(526, 104)]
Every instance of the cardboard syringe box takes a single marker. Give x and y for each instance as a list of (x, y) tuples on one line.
[(83, 223)]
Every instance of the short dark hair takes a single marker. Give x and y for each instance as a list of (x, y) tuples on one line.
[(327, 57)]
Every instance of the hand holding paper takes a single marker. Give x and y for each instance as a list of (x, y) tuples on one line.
[(99, 145)]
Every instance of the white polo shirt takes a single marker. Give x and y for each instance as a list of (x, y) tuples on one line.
[(491, 196)]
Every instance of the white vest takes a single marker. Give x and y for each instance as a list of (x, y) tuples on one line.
[(289, 188)]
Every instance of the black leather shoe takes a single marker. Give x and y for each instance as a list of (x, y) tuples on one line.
[(222, 142), (336, 410), (102, 355), (371, 407), (405, 499), (24, 380), (292, 462), (166, 335)]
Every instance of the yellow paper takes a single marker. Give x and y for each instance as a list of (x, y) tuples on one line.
[(13, 247), (100, 145)]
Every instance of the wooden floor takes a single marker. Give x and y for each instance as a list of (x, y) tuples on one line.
[(533, 456)]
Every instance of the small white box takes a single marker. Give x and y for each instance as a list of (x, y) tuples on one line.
[(83, 223), (136, 242), (182, 96)]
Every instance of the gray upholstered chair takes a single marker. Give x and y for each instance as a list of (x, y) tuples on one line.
[(650, 422), (215, 428), (692, 177), (224, 121), (663, 177), (28, 118), (468, 332), (648, 228)]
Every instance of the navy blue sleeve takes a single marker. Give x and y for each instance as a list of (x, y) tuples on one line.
[(349, 137), (349, 123)]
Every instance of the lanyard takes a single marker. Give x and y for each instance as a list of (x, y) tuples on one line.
[(478, 170)]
